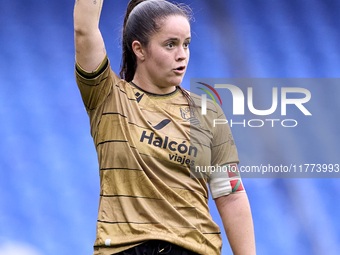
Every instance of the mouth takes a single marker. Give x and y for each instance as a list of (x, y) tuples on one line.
[(179, 70)]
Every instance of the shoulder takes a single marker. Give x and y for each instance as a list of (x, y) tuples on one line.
[(212, 109), (102, 73)]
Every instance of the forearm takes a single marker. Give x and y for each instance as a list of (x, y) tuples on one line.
[(237, 220), (86, 15)]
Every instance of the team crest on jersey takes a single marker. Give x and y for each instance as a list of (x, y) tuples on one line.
[(189, 115)]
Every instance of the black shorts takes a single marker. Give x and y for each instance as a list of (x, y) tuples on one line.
[(155, 247)]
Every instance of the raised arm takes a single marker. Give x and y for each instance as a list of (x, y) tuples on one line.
[(89, 44)]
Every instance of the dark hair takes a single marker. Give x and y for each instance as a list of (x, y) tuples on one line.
[(142, 20)]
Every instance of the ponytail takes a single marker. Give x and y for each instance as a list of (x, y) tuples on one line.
[(129, 62)]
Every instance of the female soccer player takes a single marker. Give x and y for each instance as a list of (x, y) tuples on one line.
[(140, 124)]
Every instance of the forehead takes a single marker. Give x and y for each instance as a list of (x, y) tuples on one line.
[(175, 26)]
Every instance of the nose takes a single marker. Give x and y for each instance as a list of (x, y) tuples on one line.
[(182, 53)]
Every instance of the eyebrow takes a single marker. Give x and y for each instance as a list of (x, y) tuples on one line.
[(176, 39)]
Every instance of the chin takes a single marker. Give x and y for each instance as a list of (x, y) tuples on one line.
[(177, 82)]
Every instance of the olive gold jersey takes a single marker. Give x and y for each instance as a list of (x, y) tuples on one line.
[(146, 153)]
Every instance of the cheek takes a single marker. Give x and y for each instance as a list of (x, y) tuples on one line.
[(162, 60)]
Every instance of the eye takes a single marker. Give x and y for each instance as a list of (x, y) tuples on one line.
[(186, 45), (170, 45)]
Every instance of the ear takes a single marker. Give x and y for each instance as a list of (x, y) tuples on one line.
[(138, 50)]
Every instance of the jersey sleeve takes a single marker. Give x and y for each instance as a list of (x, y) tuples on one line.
[(225, 177), (224, 150), (95, 87)]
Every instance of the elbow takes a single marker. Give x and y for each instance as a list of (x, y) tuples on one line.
[(79, 30), (85, 31), (82, 27)]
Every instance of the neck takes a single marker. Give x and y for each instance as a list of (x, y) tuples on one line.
[(148, 85)]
